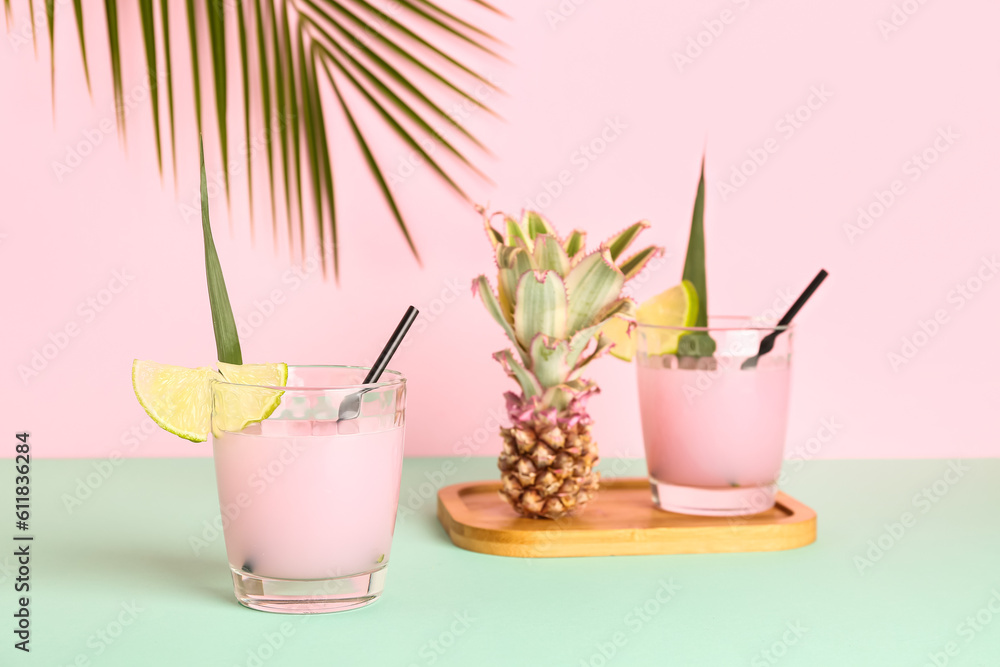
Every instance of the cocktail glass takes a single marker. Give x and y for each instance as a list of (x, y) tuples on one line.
[(309, 501), (714, 433)]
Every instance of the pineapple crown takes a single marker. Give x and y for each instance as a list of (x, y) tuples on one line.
[(553, 298)]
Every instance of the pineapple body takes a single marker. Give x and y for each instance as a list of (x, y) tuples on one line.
[(548, 457)]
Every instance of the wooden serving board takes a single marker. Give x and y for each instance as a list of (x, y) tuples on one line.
[(620, 521)]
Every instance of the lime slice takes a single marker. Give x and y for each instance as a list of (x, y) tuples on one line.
[(676, 307), (239, 406), (616, 329), (179, 399)]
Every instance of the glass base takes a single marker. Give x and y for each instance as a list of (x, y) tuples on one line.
[(311, 596), (713, 501)]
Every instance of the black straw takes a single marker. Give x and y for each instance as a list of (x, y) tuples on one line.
[(767, 343), (390, 347)]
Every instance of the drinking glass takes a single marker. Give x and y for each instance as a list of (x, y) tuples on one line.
[(309, 501), (714, 433)]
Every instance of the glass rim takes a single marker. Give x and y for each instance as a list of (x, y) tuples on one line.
[(397, 381), (741, 318)]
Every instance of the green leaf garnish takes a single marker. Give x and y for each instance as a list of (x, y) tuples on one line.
[(227, 342)]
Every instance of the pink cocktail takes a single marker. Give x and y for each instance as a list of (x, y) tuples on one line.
[(714, 432), (309, 498)]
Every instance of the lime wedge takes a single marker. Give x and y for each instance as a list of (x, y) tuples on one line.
[(239, 406), (616, 329), (676, 307), (179, 399)]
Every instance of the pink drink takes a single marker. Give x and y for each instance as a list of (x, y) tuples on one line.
[(308, 495), (714, 433), (304, 504), (731, 434)]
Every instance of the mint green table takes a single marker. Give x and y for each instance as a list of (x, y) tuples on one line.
[(906, 571)]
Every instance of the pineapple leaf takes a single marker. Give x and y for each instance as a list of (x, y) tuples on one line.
[(592, 285), (624, 308), (516, 234), (578, 343), (536, 225), (540, 307), (507, 291), (495, 237), (694, 263), (482, 286), (227, 342), (549, 363), (634, 265), (603, 345), (575, 242), (529, 384), (550, 256), (620, 242)]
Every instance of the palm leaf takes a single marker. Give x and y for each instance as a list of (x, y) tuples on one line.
[(78, 12), (280, 72), (34, 33), (326, 168), (165, 21), (192, 23), (265, 101), (293, 122), (372, 164), (217, 35), (245, 72), (397, 77), (361, 49), (50, 22), (111, 13), (149, 40), (394, 124), (397, 101)]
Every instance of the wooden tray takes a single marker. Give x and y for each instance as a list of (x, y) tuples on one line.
[(620, 521)]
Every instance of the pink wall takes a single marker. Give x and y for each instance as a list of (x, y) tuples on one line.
[(109, 230)]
